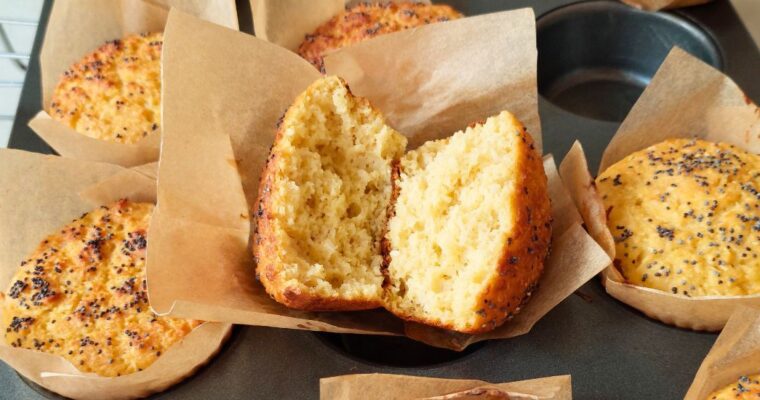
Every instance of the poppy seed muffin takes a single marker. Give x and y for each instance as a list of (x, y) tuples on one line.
[(113, 93), (323, 198), (745, 388), (470, 229), (367, 20), (685, 216), (82, 295)]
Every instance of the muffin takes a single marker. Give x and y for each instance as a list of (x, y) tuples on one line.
[(323, 198), (745, 388), (82, 295), (685, 216), (365, 21), (470, 228), (114, 93), (453, 234)]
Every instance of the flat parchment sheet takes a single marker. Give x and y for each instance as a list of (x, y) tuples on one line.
[(654, 5), (76, 28), (287, 22), (199, 262), (404, 387), (686, 98), (736, 353), (42, 193)]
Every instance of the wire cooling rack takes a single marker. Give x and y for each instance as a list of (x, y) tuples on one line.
[(20, 60)]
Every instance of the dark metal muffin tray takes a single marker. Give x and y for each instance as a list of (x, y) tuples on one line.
[(595, 58)]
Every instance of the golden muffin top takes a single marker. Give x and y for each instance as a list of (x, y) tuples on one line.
[(745, 388), (685, 216), (113, 93), (365, 21), (82, 295)]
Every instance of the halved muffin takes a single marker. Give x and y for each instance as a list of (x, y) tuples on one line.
[(323, 198), (470, 228)]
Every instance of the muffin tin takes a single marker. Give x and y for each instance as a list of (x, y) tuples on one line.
[(595, 58)]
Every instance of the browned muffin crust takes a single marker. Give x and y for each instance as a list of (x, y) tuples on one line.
[(113, 93), (365, 21), (685, 216), (82, 295)]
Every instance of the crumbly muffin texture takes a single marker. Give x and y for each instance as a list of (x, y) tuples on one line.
[(82, 295), (113, 93), (471, 228), (453, 234), (323, 199), (685, 216), (745, 388), (367, 20)]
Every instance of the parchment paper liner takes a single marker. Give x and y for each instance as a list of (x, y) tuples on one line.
[(404, 387), (287, 22), (41, 194), (202, 218), (654, 5), (686, 98), (76, 28), (735, 353)]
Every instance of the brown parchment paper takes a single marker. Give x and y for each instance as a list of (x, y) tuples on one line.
[(199, 262), (734, 354), (654, 5), (404, 387), (453, 73), (686, 98), (287, 22), (40, 194), (76, 28)]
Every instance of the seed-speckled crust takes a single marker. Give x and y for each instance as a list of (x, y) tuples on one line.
[(365, 21), (82, 295), (113, 93), (521, 265), (685, 216), (745, 388)]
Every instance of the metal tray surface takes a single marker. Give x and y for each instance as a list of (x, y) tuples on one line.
[(611, 350)]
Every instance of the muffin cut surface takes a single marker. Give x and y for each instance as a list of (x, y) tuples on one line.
[(323, 199), (471, 228)]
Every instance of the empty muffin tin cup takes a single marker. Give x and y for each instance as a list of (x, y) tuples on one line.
[(595, 58), (394, 351)]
